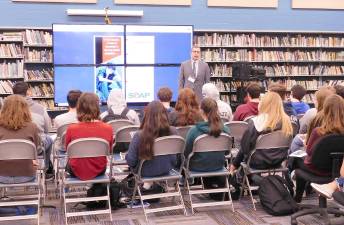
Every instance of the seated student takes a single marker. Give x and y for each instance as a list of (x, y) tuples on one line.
[(297, 94), (16, 123), (251, 107), (271, 117), (155, 124), (41, 118), (332, 123), (117, 108), (70, 116), (187, 109), (320, 96), (212, 125), (165, 97), (330, 188), (282, 91), (312, 119), (209, 90), (89, 125)]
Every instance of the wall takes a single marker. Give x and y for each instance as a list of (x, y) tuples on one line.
[(202, 17)]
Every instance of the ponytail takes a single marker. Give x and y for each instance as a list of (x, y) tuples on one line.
[(209, 107)]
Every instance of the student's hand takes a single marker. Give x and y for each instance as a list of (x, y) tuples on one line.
[(35, 163), (232, 169)]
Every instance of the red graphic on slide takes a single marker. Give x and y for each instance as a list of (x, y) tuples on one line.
[(112, 47)]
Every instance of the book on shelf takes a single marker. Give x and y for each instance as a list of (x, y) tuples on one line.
[(264, 40), (38, 55), (11, 36), (6, 86), (40, 75), (11, 69), (47, 103), (10, 50), (37, 37), (314, 70), (41, 90)]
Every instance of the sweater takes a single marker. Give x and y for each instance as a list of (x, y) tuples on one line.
[(20, 167), (300, 107), (246, 110), (313, 140), (157, 166), (204, 161), (88, 168)]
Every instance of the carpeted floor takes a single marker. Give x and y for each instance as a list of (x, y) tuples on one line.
[(243, 215)]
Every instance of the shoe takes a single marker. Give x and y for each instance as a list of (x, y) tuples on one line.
[(323, 189)]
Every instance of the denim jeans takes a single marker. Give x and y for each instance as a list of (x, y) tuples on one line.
[(47, 144), (15, 179)]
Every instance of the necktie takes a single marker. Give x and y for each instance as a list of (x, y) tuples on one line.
[(194, 68)]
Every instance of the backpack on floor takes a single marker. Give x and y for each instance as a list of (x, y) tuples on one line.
[(100, 190), (276, 196)]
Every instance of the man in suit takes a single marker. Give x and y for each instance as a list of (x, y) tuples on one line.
[(194, 73)]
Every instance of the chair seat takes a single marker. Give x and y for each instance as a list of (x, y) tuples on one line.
[(250, 170), (99, 179), (30, 183), (312, 177), (220, 172), (173, 175)]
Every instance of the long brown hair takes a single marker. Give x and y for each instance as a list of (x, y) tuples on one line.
[(210, 109), (320, 97), (15, 113), (272, 105), (333, 114), (187, 108), (87, 108), (155, 124)]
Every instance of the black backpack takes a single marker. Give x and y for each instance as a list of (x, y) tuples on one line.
[(100, 190), (112, 116), (276, 196)]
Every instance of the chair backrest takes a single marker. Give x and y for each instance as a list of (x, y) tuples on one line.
[(207, 143), (61, 133), (88, 147), (168, 145), (116, 124), (272, 140), (270, 150), (12, 149), (183, 131), (237, 129), (327, 145), (125, 133), (296, 127)]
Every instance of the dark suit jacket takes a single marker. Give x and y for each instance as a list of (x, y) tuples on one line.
[(203, 76)]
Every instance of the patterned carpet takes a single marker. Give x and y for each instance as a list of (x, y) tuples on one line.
[(221, 215)]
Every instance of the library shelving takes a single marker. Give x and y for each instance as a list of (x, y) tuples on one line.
[(26, 54), (311, 59)]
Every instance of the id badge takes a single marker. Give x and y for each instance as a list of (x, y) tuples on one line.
[(191, 79)]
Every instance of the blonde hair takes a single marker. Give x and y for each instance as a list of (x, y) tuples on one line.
[(272, 105), (15, 113)]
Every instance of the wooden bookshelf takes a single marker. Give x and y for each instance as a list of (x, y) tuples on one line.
[(312, 59)]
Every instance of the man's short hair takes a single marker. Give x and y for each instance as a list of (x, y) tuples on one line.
[(279, 89), (20, 88), (165, 94), (72, 97), (254, 90), (339, 90), (298, 91)]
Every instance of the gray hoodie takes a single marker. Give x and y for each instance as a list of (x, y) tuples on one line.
[(209, 90)]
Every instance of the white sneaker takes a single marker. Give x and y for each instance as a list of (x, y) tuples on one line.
[(323, 189)]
